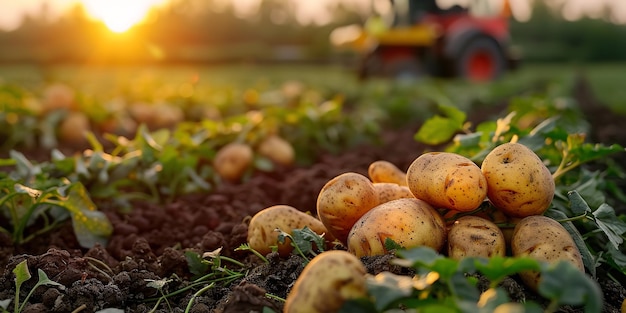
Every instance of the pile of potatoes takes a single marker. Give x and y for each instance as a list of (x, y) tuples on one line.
[(434, 203)]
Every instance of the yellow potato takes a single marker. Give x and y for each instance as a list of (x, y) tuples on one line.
[(543, 239), (232, 160), (343, 200), (447, 180), (386, 172), (473, 236), (261, 230), (408, 222), (332, 278), (277, 149), (518, 182), (390, 191)]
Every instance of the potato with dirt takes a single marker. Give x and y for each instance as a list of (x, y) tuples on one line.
[(382, 171), (390, 191), (232, 160), (408, 222), (447, 180), (326, 283), (519, 183), (473, 236), (262, 234), (343, 200), (543, 239)]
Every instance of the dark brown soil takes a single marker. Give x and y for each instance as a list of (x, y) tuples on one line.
[(149, 242)]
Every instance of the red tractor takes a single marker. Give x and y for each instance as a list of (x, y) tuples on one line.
[(420, 38)]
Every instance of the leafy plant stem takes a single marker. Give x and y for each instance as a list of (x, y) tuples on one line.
[(573, 218)]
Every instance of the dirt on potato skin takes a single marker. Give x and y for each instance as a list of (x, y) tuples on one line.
[(149, 242)]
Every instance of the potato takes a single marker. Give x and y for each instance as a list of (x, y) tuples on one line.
[(58, 97), (518, 182), (473, 236), (386, 172), (262, 234), (408, 222), (332, 278), (73, 128), (232, 160), (343, 200), (277, 149), (447, 180), (543, 239), (390, 191)]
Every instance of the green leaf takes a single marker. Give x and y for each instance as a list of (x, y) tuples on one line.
[(390, 244), (21, 274), (609, 223), (44, 280), (305, 238), (453, 113), (437, 130), (197, 265), (563, 282), (417, 256), (90, 226), (497, 268)]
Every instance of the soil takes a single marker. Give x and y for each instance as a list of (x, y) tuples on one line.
[(149, 242)]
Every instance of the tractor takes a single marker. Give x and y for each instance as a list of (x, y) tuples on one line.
[(419, 38)]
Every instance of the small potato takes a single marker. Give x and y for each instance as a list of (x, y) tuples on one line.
[(386, 172), (277, 149), (447, 180), (543, 239), (518, 182), (73, 129), (408, 222), (232, 160), (332, 278), (473, 236), (343, 200), (262, 234), (390, 191)]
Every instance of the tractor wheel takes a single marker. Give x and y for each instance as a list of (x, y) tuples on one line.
[(403, 69), (481, 60)]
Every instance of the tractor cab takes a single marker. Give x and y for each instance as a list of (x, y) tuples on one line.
[(418, 37)]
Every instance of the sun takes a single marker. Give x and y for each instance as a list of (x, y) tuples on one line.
[(120, 15)]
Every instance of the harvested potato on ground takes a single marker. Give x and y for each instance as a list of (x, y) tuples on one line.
[(473, 236), (277, 149), (543, 239), (332, 278), (447, 180), (408, 222), (390, 191), (343, 200), (518, 182), (232, 160), (386, 172), (262, 234), (74, 127)]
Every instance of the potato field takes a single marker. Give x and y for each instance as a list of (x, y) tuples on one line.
[(299, 188)]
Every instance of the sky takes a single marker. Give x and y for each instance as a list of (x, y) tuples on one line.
[(11, 11)]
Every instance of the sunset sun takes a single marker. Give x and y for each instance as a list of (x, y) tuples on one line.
[(120, 15)]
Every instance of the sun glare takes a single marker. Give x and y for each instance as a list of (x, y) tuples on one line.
[(120, 15)]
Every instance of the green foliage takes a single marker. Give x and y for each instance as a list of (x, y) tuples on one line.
[(22, 274), (445, 285), (305, 241), (25, 205)]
